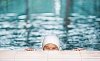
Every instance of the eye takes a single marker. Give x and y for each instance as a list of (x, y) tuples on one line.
[(46, 47), (54, 48)]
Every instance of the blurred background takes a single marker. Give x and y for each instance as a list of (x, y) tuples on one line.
[(23, 23)]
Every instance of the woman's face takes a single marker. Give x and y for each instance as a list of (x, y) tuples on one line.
[(50, 47)]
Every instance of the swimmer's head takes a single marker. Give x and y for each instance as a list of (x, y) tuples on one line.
[(51, 42)]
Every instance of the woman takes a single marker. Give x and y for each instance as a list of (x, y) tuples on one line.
[(51, 42)]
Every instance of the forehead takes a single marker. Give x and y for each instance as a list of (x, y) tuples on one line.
[(50, 45)]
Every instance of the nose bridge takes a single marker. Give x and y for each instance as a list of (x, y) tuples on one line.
[(50, 48)]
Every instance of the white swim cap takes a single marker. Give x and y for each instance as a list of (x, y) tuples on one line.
[(51, 39)]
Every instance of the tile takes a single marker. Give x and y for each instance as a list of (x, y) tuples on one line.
[(7, 54), (63, 54), (6, 59), (90, 59), (30, 59), (90, 54), (30, 55), (64, 59)]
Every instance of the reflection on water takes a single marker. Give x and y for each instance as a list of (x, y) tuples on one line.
[(82, 32), (14, 31)]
